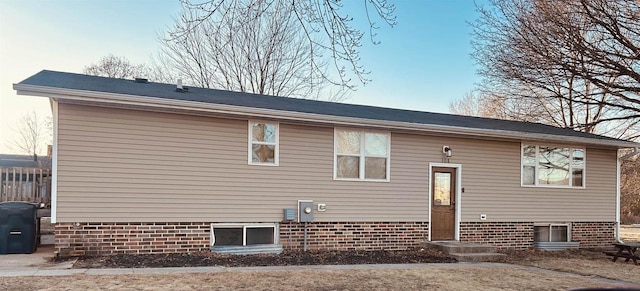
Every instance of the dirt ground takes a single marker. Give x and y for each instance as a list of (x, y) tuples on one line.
[(575, 269), (467, 278), (299, 258), (578, 268), (582, 262)]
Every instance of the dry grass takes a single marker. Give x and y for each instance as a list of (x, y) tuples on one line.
[(604, 268), (583, 262), (630, 233), (463, 278), (589, 266)]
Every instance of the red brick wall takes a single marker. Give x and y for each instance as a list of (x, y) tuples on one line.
[(517, 235), (593, 234), (354, 235), (111, 238), (130, 238)]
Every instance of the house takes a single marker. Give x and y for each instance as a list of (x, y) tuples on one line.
[(143, 167)]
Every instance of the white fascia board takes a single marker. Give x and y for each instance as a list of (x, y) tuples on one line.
[(165, 103), (54, 163)]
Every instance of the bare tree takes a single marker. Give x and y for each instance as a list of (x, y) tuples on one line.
[(116, 67), (569, 63), (324, 26), (477, 104), (630, 191), (255, 47), (470, 104), (573, 63), (34, 134)]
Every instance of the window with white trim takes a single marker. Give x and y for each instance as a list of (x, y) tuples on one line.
[(552, 233), (229, 234), (361, 155), (552, 166), (263, 143)]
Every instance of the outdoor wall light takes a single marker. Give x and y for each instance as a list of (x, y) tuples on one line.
[(446, 150)]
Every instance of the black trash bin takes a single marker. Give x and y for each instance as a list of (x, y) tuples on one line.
[(18, 227)]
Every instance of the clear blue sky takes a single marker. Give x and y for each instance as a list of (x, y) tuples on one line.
[(422, 64)]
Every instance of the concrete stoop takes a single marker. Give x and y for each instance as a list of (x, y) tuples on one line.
[(468, 252)]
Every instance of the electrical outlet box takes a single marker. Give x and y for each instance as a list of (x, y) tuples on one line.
[(305, 210)]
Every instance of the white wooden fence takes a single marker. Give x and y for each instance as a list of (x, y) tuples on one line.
[(25, 184)]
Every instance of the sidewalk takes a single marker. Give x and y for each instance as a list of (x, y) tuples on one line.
[(65, 269), (39, 264)]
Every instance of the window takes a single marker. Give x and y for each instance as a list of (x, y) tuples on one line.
[(223, 234), (263, 143), (549, 166), (551, 233), (361, 155)]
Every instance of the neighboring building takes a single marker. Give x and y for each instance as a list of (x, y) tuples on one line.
[(25, 161), (147, 167), (25, 178)]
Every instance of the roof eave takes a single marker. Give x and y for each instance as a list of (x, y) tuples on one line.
[(164, 103)]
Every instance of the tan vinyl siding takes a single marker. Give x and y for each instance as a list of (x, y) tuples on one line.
[(491, 179), (119, 165)]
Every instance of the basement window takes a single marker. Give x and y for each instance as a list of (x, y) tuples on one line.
[(552, 233), (225, 234)]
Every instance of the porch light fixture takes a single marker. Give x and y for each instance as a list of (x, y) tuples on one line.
[(446, 150)]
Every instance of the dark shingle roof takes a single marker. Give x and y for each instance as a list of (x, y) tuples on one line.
[(167, 91)]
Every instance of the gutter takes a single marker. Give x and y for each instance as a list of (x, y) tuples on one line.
[(233, 110), (618, 162)]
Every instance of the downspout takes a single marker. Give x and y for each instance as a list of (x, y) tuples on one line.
[(618, 162), (54, 163), (618, 198)]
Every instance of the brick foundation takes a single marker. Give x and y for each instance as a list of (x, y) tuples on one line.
[(517, 235), (134, 238), (130, 238), (354, 235), (593, 234)]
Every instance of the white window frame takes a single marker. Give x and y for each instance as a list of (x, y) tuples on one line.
[(361, 155), (551, 225), (244, 226), (276, 144), (537, 166)]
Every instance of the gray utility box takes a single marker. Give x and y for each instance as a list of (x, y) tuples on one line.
[(305, 210), (18, 228), (289, 214)]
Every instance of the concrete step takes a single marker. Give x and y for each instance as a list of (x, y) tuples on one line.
[(477, 257), (248, 250), (462, 248)]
